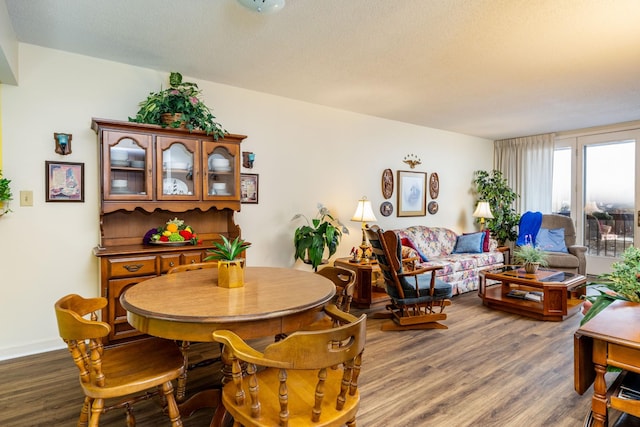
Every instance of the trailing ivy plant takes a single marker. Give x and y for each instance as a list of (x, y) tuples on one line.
[(493, 188)]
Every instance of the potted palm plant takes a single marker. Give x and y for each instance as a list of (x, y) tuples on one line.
[(531, 257), (320, 234), (5, 195), (178, 106), (230, 267)]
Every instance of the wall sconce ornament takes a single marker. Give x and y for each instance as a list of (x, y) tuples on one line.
[(63, 143), (412, 160), (247, 159)]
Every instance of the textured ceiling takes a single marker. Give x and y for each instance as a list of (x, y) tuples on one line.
[(489, 68)]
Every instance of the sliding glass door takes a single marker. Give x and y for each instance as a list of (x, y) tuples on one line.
[(595, 182), (608, 196)]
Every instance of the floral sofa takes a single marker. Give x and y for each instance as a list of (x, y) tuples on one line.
[(437, 244)]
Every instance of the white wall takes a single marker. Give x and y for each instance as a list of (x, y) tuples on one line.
[(304, 154)]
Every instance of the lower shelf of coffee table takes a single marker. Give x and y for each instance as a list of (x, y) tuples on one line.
[(552, 308)]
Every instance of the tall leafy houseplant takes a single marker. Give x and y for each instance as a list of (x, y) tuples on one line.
[(180, 98), (322, 232), (493, 188), (5, 194)]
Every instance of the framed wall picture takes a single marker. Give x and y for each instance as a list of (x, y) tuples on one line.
[(412, 196), (248, 188), (64, 181)]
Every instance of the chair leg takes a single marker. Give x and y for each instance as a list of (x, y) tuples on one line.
[(83, 421), (96, 409), (351, 422), (172, 406)]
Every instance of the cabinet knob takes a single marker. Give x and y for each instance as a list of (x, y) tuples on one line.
[(193, 261), (171, 264)]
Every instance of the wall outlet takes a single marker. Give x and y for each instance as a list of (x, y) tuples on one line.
[(26, 198)]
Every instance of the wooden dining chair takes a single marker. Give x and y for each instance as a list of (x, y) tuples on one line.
[(181, 389), (345, 282), (117, 372), (308, 378), (418, 299)]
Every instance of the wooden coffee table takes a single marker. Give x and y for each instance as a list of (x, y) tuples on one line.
[(560, 292)]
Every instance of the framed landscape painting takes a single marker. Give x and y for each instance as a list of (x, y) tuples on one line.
[(412, 197)]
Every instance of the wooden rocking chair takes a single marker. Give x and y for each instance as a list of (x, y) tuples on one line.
[(413, 306)]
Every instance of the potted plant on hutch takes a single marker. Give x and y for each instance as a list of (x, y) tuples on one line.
[(230, 267), (178, 106), (5, 195), (530, 257), (311, 240)]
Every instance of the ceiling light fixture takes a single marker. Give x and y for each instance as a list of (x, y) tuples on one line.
[(263, 6)]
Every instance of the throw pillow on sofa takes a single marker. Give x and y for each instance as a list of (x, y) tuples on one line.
[(486, 242), (551, 240), (408, 243), (469, 243)]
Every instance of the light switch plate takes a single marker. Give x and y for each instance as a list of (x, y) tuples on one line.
[(26, 198)]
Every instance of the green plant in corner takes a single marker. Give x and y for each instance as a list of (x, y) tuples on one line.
[(227, 250), (322, 232), (493, 188), (5, 195), (180, 98), (623, 283)]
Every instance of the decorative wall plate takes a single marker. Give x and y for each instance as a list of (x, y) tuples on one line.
[(387, 183), (432, 207), (434, 185), (386, 208)]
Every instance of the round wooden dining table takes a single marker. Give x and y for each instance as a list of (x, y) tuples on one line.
[(189, 305)]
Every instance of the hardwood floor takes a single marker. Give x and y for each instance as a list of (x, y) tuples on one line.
[(488, 369)]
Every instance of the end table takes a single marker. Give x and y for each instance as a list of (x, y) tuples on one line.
[(369, 289)]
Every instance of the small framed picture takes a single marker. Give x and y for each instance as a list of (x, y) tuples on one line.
[(248, 188), (412, 197), (64, 181)]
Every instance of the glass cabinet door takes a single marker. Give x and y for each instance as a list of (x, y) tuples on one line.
[(222, 165), (178, 169), (128, 174)]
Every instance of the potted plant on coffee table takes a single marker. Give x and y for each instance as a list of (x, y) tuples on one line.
[(322, 232), (178, 106), (230, 267), (530, 257)]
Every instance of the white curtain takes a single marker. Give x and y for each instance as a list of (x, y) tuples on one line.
[(527, 165)]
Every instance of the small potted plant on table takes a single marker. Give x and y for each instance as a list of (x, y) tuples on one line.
[(230, 267), (530, 257)]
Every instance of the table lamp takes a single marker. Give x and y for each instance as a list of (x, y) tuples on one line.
[(483, 210), (363, 214)]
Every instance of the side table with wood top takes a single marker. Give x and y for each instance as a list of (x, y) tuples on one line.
[(369, 291)]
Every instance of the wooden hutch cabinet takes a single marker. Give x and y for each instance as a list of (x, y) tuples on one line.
[(149, 175)]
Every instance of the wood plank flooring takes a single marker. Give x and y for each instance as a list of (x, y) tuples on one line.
[(488, 369)]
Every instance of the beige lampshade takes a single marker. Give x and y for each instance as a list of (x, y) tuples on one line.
[(483, 210), (364, 211)]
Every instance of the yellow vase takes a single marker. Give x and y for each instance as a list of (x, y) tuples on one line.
[(231, 273)]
